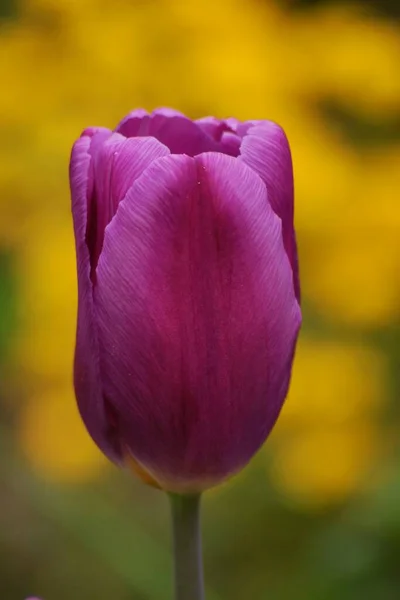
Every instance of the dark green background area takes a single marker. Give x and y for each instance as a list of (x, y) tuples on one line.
[(389, 8), (7, 300), (8, 9)]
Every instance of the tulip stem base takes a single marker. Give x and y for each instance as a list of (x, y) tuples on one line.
[(186, 532)]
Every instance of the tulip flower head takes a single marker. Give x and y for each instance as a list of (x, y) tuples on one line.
[(188, 307)]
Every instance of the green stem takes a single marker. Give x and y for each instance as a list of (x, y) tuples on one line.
[(188, 564)]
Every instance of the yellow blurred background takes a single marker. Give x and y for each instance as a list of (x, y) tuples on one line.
[(329, 73)]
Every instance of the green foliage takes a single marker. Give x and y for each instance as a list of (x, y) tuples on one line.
[(7, 300), (387, 8), (8, 9)]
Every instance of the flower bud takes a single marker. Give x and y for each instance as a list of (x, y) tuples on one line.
[(188, 282)]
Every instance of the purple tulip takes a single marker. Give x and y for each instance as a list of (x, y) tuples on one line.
[(188, 291)]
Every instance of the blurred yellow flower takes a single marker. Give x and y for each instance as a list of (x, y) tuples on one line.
[(234, 59), (344, 54), (325, 171), (333, 382), (351, 269), (54, 439), (354, 276), (45, 342), (322, 466), (327, 437)]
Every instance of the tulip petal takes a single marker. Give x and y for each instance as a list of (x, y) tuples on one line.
[(213, 127), (181, 135), (116, 163), (168, 112), (87, 379), (230, 143), (266, 150), (197, 318), (134, 124), (139, 123), (176, 131), (221, 132)]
